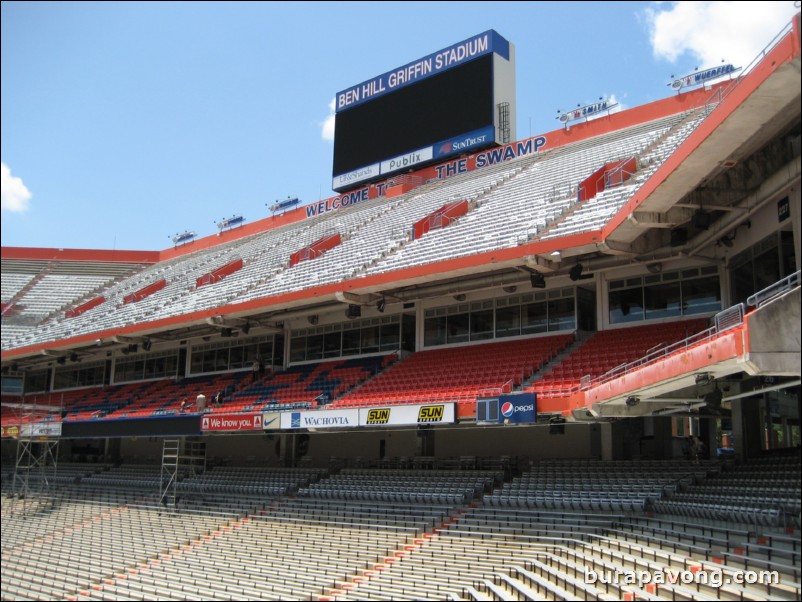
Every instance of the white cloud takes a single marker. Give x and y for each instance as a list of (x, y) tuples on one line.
[(714, 31), (15, 195), (327, 132)]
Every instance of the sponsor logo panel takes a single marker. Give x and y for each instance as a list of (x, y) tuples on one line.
[(231, 422), (440, 413), (320, 419)]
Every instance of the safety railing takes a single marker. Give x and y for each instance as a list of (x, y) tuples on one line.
[(722, 92), (723, 321), (775, 290), (496, 391)]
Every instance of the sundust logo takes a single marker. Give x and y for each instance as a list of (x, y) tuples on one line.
[(378, 416), (431, 413)]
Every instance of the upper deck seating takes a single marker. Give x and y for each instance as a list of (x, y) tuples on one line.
[(375, 235), (608, 349), (308, 384), (457, 373)]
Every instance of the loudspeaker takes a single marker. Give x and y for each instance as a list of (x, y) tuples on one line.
[(713, 399), (537, 280), (679, 236), (700, 220), (353, 311)]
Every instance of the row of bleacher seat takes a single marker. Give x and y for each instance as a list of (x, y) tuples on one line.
[(449, 374), (115, 542), (496, 222), (767, 491), (457, 374), (313, 384), (375, 234), (588, 485), (594, 213), (608, 349)]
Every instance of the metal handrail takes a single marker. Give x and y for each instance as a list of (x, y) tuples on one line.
[(723, 321), (724, 91), (775, 290)]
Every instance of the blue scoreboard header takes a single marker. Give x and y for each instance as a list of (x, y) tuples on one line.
[(460, 53)]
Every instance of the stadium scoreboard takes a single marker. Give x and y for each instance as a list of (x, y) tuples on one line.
[(458, 100)]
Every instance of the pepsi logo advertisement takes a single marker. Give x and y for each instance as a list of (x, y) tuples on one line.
[(517, 408)]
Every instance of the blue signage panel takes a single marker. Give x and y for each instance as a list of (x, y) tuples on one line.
[(460, 53), (465, 142), (587, 110), (701, 77), (517, 408)]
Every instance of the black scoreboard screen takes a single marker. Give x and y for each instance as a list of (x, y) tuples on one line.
[(455, 102)]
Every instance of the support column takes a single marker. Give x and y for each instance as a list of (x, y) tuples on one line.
[(746, 430), (606, 436)]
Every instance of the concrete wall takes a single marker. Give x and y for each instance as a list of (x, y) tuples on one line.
[(774, 336)]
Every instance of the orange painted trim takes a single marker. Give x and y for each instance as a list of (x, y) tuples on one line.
[(562, 405), (93, 255), (785, 51), (727, 346), (560, 137), (328, 290), (145, 291), (466, 410)]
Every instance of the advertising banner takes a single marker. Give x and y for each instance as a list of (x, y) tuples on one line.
[(324, 419), (465, 142), (231, 422), (517, 408), (407, 160), (356, 176), (514, 408), (271, 421), (9, 431), (41, 429), (400, 415)]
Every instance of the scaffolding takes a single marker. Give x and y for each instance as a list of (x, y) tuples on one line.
[(36, 426), (180, 458)]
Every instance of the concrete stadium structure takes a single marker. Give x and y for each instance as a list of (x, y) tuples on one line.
[(477, 380)]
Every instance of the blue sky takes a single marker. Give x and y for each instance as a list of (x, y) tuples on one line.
[(124, 123)]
